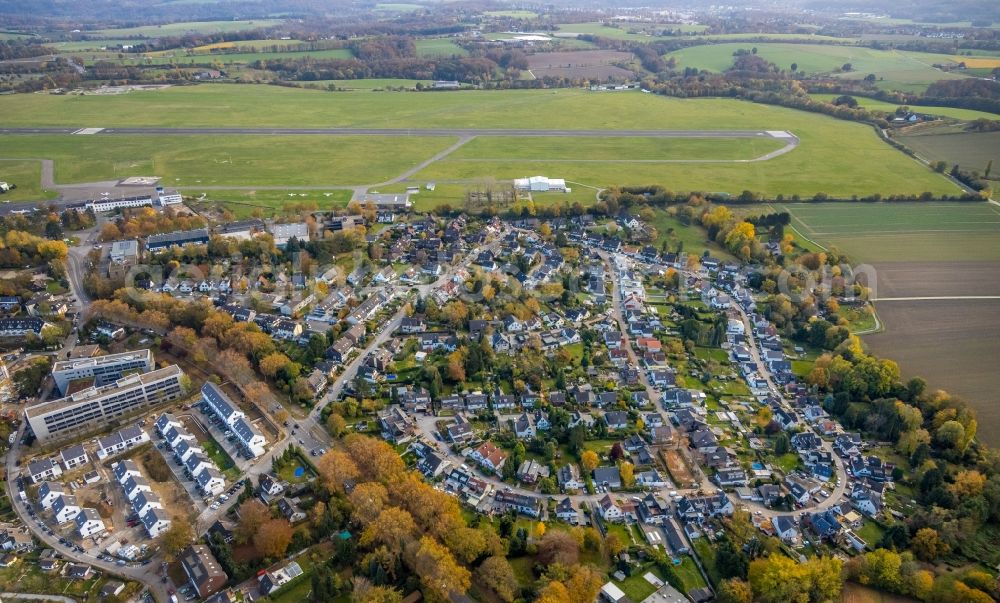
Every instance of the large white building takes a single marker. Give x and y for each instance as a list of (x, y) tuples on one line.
[(109, 204), (103, 406), (102, 369), (541, 184)]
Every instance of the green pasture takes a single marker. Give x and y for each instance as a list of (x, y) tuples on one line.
[(439, 47), (899, 70), (776, 36), (876, 105), (230, 161), (27, 176), (178, 29)]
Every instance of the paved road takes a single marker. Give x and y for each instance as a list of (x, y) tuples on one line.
[(460, 132), (147, 574)]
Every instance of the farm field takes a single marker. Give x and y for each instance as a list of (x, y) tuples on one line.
[(27, 176), (177, 29), (902, 232), (232, 161), (971, 150), (908, 71), (927, 250), (595, 64), (876, 105), (952, 344)]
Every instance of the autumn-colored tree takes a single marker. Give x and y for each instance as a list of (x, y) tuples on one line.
[(216, 325), (613, 545), (584, 582), (539, 529), (465, 543), (558, 547), (335, 468), (589, 460), (177, 537), (554, 592), (365, 592), (274, 363), (272, 539), (927, 545), (778, 579), (393, 528), (734, 590), (968, 483), (182, 337), (438, 570), (253, 514), (382, 463), (627, 472), (336, 425), (497, 575), (367, 499), (456, 366)]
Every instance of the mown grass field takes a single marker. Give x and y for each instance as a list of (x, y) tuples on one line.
[(819, 164), (613, 149), (876, 105), (177, 29), (898, 70), (27, 176), (237, 161)]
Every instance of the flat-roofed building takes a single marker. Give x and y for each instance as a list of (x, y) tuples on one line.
[(103, 369), (282, 233), (123, 255), (158, 242), (101, 406)]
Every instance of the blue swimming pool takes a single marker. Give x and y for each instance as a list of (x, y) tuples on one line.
[(758, 466)]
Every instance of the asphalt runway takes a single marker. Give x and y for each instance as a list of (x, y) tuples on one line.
[(459, 132)]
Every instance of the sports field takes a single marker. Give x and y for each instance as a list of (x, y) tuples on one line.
[(877, 105), (899, 70), (946, 251), (818, 164)]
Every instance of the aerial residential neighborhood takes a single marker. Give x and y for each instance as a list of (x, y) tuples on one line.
[(499, 302)]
